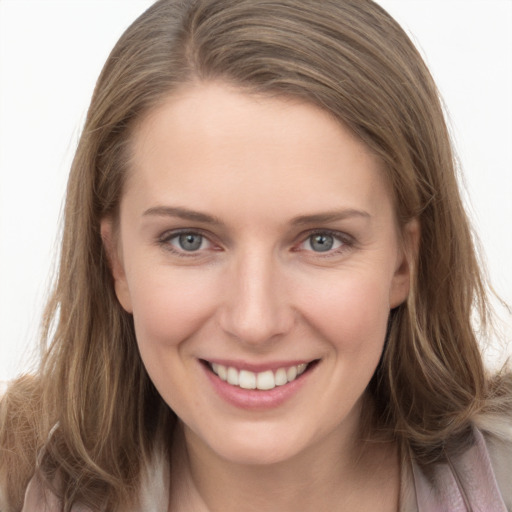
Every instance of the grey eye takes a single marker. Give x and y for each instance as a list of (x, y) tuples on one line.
[(189, 241), (321, 242)]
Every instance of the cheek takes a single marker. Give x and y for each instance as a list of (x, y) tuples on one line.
[(352, 313), (169, 307)]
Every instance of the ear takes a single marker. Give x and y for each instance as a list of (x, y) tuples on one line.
[(406, 263), (111, 243)]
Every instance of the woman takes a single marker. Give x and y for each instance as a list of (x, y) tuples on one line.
[(266, 281)]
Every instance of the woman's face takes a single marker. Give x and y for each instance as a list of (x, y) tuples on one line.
[(257, 243)]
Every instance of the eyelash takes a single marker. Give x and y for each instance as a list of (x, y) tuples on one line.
[(165, 242), (346, 241)]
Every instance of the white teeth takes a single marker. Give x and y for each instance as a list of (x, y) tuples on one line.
[(263, 380), (291, 373), (247, 380), (281, 378), (222, 372), (232, 376)]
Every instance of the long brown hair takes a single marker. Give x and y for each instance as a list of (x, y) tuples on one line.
[(89, 421)]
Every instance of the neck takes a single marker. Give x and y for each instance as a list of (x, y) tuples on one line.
[(337, 474)]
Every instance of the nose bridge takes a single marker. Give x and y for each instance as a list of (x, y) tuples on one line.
[(257, 309)]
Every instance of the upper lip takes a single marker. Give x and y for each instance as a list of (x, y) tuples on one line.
[(258, 367)]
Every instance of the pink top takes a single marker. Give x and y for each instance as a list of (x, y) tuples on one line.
[(466, 483)]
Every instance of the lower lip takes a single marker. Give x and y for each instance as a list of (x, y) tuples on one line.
[(255, 399)]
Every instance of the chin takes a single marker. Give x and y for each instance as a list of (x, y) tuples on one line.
[(258, 454), (257, 445)]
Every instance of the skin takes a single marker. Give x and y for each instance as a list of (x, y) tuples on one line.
[(257, 290)]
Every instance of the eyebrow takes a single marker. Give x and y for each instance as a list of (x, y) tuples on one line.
[(182, 213), (193, 215), (331, 216)]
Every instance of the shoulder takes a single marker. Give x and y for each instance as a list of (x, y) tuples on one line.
[(484, 471), (153, 496), (39, 499), (20, 415), (497, 433), (480, 476)]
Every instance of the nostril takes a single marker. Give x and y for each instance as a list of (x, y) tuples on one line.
[(252, 326)]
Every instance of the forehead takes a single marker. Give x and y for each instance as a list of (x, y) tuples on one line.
[(211, 142)]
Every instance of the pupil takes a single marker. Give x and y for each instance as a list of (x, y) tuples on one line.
[(190, 242), (322, 243)]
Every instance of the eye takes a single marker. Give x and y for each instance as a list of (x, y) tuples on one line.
[(324, 242), (185, 242), (189, 241)]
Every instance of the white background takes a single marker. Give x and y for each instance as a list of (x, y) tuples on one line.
[(51, 52)]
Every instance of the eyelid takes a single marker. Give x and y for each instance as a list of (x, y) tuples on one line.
[(346, 240), (164, 241)]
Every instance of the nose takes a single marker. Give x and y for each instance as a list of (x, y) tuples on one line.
[(257, 309)]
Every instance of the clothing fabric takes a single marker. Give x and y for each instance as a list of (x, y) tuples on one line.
[(466, 483), (479, 480)]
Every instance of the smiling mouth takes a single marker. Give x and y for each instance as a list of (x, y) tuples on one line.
[(264, 381)]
